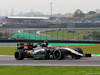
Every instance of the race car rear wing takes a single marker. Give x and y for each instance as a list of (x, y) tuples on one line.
[(20, 46)]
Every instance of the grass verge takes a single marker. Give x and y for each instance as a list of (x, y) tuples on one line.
[(93, 49), (7, 50), (64, 34), (47, 70)]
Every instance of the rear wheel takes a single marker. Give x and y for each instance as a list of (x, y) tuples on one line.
[(78, 50), (59, 54), (19, 55)]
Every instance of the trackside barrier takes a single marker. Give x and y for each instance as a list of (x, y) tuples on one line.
[(50, 41)]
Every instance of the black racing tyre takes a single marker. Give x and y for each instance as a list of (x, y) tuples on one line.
[(78, 50), (47, 55), (59, 54), (19, 55)]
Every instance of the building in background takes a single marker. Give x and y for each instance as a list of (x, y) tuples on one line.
[(24, 21)]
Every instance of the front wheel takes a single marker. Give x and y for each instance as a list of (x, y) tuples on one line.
[(59, 54), (19, 55), (79, 50)]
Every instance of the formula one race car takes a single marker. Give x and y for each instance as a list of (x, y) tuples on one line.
[(43, 50)]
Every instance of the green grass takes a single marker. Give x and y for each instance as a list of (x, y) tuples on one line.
[(64, 34), (7, 50), (47, 70), (93, 49)]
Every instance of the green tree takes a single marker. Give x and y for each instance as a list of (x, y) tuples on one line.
[(91, 12), (6, 34), (52, 18), (78, 13), (96, 35)]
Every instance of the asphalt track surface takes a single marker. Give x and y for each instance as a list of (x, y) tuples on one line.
[(85, 61)]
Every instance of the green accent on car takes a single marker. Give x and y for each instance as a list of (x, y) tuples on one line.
[(39, 56)]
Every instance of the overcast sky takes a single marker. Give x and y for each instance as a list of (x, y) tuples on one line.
[(59, 6)]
